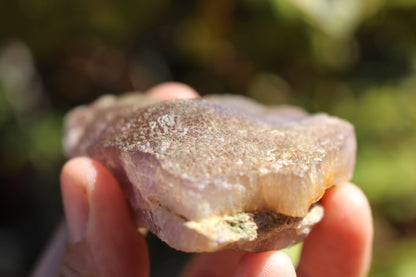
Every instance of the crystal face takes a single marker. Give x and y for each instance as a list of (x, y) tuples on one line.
[(215, 173)]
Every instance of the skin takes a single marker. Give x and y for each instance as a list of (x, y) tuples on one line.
[(103, 240)]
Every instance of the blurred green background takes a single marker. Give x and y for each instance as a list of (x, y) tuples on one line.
[(352, 58)]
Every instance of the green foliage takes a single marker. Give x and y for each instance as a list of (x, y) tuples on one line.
[(396, 260)]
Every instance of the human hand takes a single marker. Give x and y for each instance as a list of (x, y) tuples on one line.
[(103, 239)]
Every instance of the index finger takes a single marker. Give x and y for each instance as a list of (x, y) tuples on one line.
[(172, 90), (341, 244)]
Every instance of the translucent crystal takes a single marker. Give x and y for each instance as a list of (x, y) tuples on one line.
[(215, 173)]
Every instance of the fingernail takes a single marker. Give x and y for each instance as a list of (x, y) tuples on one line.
[(75, 200)]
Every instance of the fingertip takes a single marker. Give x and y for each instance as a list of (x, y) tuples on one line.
[(86, 185), (341, 244), (348, 205), (265, 264), (172, 90), (349, 213), (81, 170), (77, 177), (112, 227), (358, 222), (100, 223)]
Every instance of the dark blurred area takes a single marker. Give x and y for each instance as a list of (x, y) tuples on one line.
[(350, 58)]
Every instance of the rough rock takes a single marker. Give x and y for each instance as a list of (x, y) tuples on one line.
[(216, 173)]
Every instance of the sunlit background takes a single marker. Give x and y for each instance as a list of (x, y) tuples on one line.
[(352, 58)]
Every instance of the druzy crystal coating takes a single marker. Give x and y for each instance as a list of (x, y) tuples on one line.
[(215, 173)]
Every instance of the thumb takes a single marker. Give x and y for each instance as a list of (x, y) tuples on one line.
[(103, 239)]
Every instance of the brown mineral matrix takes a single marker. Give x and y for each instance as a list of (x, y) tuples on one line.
[(216, 173)]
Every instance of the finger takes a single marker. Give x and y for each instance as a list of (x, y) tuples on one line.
[(340, 245), (216, 264), (103, 238), (265, 264), (172, 90)]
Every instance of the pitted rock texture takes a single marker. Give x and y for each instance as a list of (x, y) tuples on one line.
[(216, 173)]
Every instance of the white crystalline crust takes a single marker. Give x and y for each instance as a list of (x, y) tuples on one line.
[(190, 167)]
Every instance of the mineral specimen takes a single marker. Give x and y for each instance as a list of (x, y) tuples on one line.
[(216, 173)]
